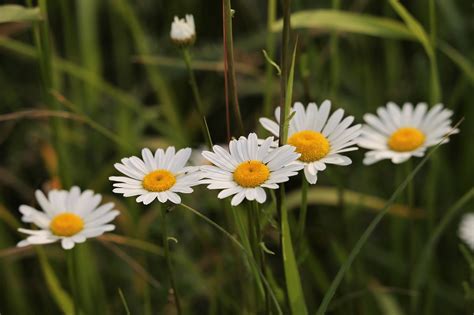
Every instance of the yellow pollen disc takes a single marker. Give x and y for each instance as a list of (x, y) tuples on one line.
[(159, 180), (251, 174), (406, 139), (310, 144), (66, 224)]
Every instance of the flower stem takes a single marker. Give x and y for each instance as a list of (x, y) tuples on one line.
[(197, 97), (166, 248), (229, 62), (270, 49), (304, 209), (71, 270), (260, 254)]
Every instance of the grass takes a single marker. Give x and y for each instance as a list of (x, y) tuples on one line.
[(85, 83)]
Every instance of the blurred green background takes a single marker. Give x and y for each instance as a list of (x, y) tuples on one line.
[(116, 83)]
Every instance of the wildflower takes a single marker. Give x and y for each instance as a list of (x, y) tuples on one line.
[(249, 168), (183, 31), (68, 216), (318, 137), (466, 230), (161, 176), (400, 133)]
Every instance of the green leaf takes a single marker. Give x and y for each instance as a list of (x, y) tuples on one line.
[(335, 20), (18, 13)]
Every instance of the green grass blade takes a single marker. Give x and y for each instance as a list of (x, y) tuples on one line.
[(368, 232), (463, 63), (422, 266), (418, 31), (124, 302), (62, 299), (17, 13), (292, 276), (335, 20)]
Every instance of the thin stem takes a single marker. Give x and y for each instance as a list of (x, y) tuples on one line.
[(335, 62), (251, 231), (304, 209), (270, 49), (71, 271), (197, 97), (229, 56), (260, 253), (238, 244), (285, 68), (164, 233), (411, 204)]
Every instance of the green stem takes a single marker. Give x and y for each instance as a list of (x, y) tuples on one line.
[(239, 245), (197, 97), (229, 49), (71, 270), (270, 49), (411, 203), (304, 209), (335, 61), (167, 253), (260, 256)]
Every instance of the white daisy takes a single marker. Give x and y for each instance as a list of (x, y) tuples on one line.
[(320, 138), (68, 216), (161, 176), (183, 31), (400, 133), (248, 168), (466, 230)]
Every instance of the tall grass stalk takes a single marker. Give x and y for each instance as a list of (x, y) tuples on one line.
[(228, 13), (335, 59), (303, 210), (422, 266), (242, 248), (370, 229), (45, 57), (159, 85), (197, 97), (270, 51), (169, 264), (71, 271)]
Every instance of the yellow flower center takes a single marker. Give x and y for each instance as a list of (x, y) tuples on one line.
[(66, 224), (406, 139), (251, 174), (159, 180), (310, 144)]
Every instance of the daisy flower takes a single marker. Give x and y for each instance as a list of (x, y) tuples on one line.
[(160, 176), (67, 216), (466, 230), (248, 168), (400, 133), (320, 138), (183, 31)]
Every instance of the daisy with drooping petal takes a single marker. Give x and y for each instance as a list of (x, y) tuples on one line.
[(248, 168), (320, 138), (466, 230), (160, 176), (400, 133), (183, 31), (68, 216)]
